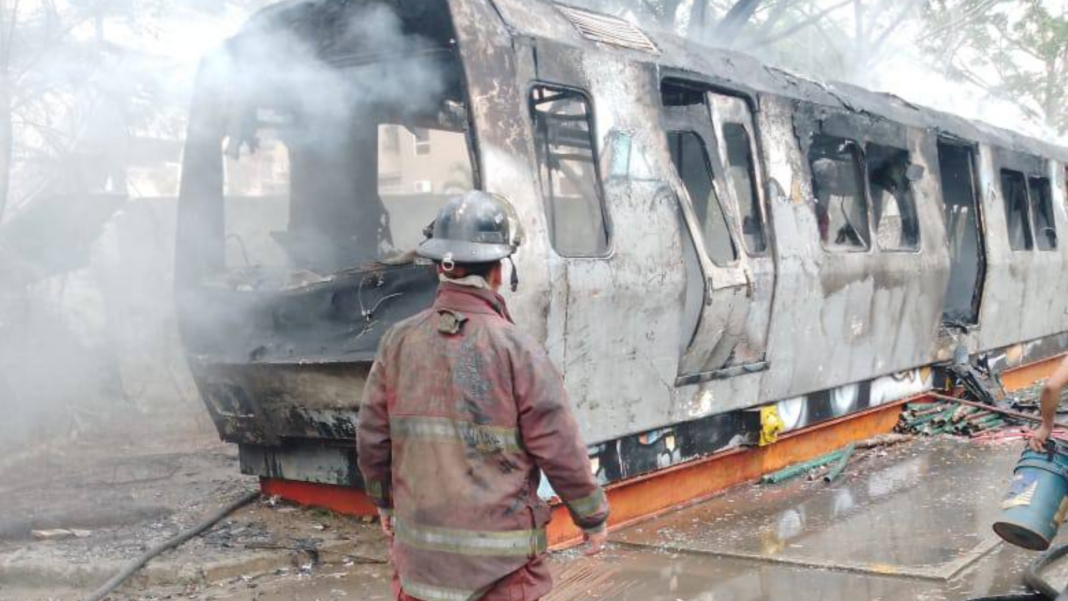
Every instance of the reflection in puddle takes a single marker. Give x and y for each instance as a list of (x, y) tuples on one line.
[(921, 505)]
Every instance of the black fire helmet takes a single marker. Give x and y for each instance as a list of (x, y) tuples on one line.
[(477, 227)]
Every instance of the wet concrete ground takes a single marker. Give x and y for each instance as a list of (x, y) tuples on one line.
[(913, 523), (909, 522)]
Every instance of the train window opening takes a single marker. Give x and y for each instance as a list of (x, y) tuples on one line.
[(838, 185), (567, 167), (690, 156), (320, 196), (1041, 193), (419, 170), (1017, 209), (680, 93), (742, 177), (960, 305), (282, 192), (897, 226), (256, 194)]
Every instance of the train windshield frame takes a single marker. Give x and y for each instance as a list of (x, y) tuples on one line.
[(294, 179)]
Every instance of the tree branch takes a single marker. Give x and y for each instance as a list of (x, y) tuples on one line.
[(1017, 43), (966, 19), (732, 23), (774, 16), (906, 6), (799, 26)]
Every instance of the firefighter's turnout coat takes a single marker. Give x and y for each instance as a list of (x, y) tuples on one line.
[(460, 415)]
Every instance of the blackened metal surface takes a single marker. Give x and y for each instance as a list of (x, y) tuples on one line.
[(338, 320), (860, 314), (323, 24), (321, 463), (542, 20), (856, 324), (265, 404), (1024, 292)]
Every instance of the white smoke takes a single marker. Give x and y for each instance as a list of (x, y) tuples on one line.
[(824, 50), (94, 344)]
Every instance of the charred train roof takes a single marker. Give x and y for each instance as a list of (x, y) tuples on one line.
[(541, 19), (321, 24)]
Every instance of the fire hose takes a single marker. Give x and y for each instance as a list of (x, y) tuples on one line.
[(131, 568), (1039, 584), (1032, 577)]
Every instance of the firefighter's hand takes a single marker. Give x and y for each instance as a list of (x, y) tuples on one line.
[(385, 518), (1039, 438), (596, 541)]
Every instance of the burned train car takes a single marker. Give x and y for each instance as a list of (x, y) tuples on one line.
[(704, 235)]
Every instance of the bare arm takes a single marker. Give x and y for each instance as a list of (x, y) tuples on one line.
[(1051, 392), (1051, 397)]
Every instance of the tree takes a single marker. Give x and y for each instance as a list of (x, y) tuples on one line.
[(29, 34), (72, 97), (838, 39), (1015, 49)]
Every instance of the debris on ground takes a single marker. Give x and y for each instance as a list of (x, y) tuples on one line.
[(60, 533), (978, 382), (946, 417), (940, 414), (830, 467)]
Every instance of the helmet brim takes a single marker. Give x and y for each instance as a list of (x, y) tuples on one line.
[(460, 251)]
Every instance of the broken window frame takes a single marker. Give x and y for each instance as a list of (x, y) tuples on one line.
[(221, 116), (1028, 231), (973, 202), (755, 206), (548, 197), (873, 224), (1047, 207), (681, 90), (713, 196), (861, 175)]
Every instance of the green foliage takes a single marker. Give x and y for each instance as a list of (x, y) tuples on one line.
[(1016, 49)]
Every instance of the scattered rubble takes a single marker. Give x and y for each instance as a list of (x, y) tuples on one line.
[(945, 417), (831, 466), (60, 533)]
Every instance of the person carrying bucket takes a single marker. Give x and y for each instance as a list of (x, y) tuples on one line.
[(1051, 397), (1037, 502)]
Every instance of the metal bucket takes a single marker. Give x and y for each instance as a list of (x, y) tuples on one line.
[(1036, 505)]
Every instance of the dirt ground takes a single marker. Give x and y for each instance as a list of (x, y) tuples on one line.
[(908, 522), (124, 495)]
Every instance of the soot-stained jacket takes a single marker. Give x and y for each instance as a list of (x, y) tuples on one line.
[(460, 412)]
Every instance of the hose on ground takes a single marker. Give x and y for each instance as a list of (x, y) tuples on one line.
[(131, 568), (1032, 578)]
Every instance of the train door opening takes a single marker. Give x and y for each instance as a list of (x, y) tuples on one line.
[(963, 218), (711, 143)]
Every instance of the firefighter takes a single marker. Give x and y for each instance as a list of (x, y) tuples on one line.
[(461, 414)]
